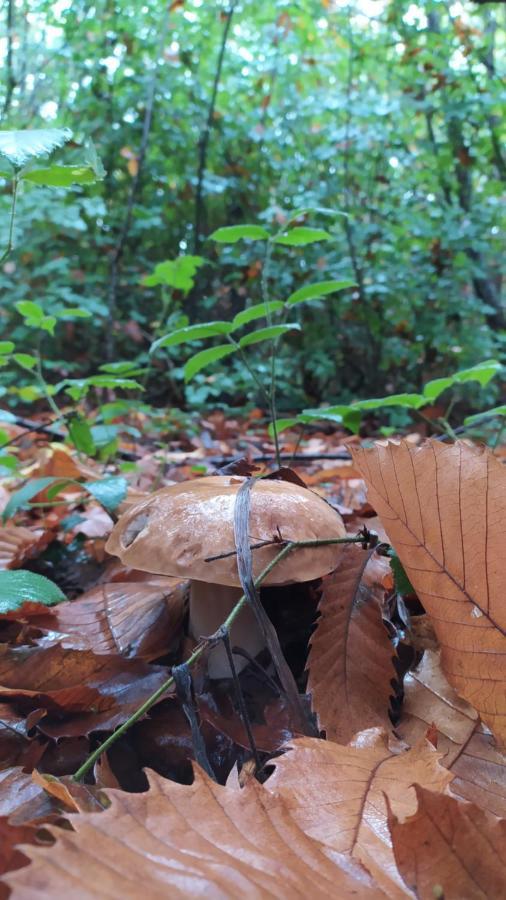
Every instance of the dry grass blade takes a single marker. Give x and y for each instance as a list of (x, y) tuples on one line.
[(444, 510), (350, 660), (337, 795), (450, 849), (479, 768), (190, 840)]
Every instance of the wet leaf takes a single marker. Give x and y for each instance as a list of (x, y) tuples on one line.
[(443, 508), (350, 661), (450, 849), (337, 794), (185, 840)]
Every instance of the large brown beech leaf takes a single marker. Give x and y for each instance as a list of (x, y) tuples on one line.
[(444, 508), (131, 619), (338, 795), (350, 660), (11, 857), (450, 849), (186, 841), (467, 747), (80, 691)]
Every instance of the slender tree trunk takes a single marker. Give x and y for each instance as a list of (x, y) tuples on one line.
[(203, 144)]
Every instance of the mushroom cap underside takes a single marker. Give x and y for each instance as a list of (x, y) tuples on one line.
[(177, 528)]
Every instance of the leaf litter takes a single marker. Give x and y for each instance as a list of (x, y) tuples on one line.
[(413, 729)]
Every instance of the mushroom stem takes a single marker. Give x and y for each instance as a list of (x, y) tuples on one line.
[(210, 604)]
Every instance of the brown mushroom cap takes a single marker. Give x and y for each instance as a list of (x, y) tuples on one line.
[(173, 531)]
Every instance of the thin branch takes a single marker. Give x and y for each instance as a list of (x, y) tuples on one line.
[(10, 79), (197, 653), (206, 132)]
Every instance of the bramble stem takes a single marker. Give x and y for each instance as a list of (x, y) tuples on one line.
[(199, 650)]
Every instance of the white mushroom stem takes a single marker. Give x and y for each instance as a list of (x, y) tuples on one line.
[(210, 605)]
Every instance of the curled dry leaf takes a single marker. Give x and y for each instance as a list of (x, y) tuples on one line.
[(450, 849), (131, 619), (17, 746), (337, 795), (190, 840), (479, 768), (444, 510), (82, 692), (350, 659), (18, 544)]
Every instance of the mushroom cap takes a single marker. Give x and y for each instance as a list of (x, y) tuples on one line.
[(176, 528)]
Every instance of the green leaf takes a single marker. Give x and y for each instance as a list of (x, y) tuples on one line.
[(25, 360), (176, 273), (268, 334), (482, 372), (316, 210), (320, 289), (108, 381), (73, 312), (256, 312), (402, 583), (119, 368), (300, 236), (22, 497), (103, 435), (191, 333), (7, 461), (434, 388), (20, 146), (349, 416), (233, 233), (80, 435), (412, 401), (282, 425), (6, 347), (205, 357), (61, 176), (7, 416), (21, 587), (110, 492), (30, 310), (488, 414)]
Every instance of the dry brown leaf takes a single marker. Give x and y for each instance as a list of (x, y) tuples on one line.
[(444, 510), (82, 692), (350, 659), (131, 619), (450, 849), (11, 857), (479, 768), (18, 544), (17, 747), (190, 840), (337, 795)]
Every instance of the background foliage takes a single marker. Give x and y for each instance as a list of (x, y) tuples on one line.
[(216, 114)]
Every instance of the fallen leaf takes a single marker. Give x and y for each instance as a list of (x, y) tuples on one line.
[(81, 691), (443, 507), (450, 849), (337, 795), (11, 857), (131, 619), (17, 747), (468, 752), (189, 840), (18, 544), (350, 662)]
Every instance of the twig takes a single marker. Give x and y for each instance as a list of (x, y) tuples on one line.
[(206, 133), (197, 653), (276, 542)]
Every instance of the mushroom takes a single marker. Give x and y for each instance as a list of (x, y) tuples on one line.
[(177, 528)]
